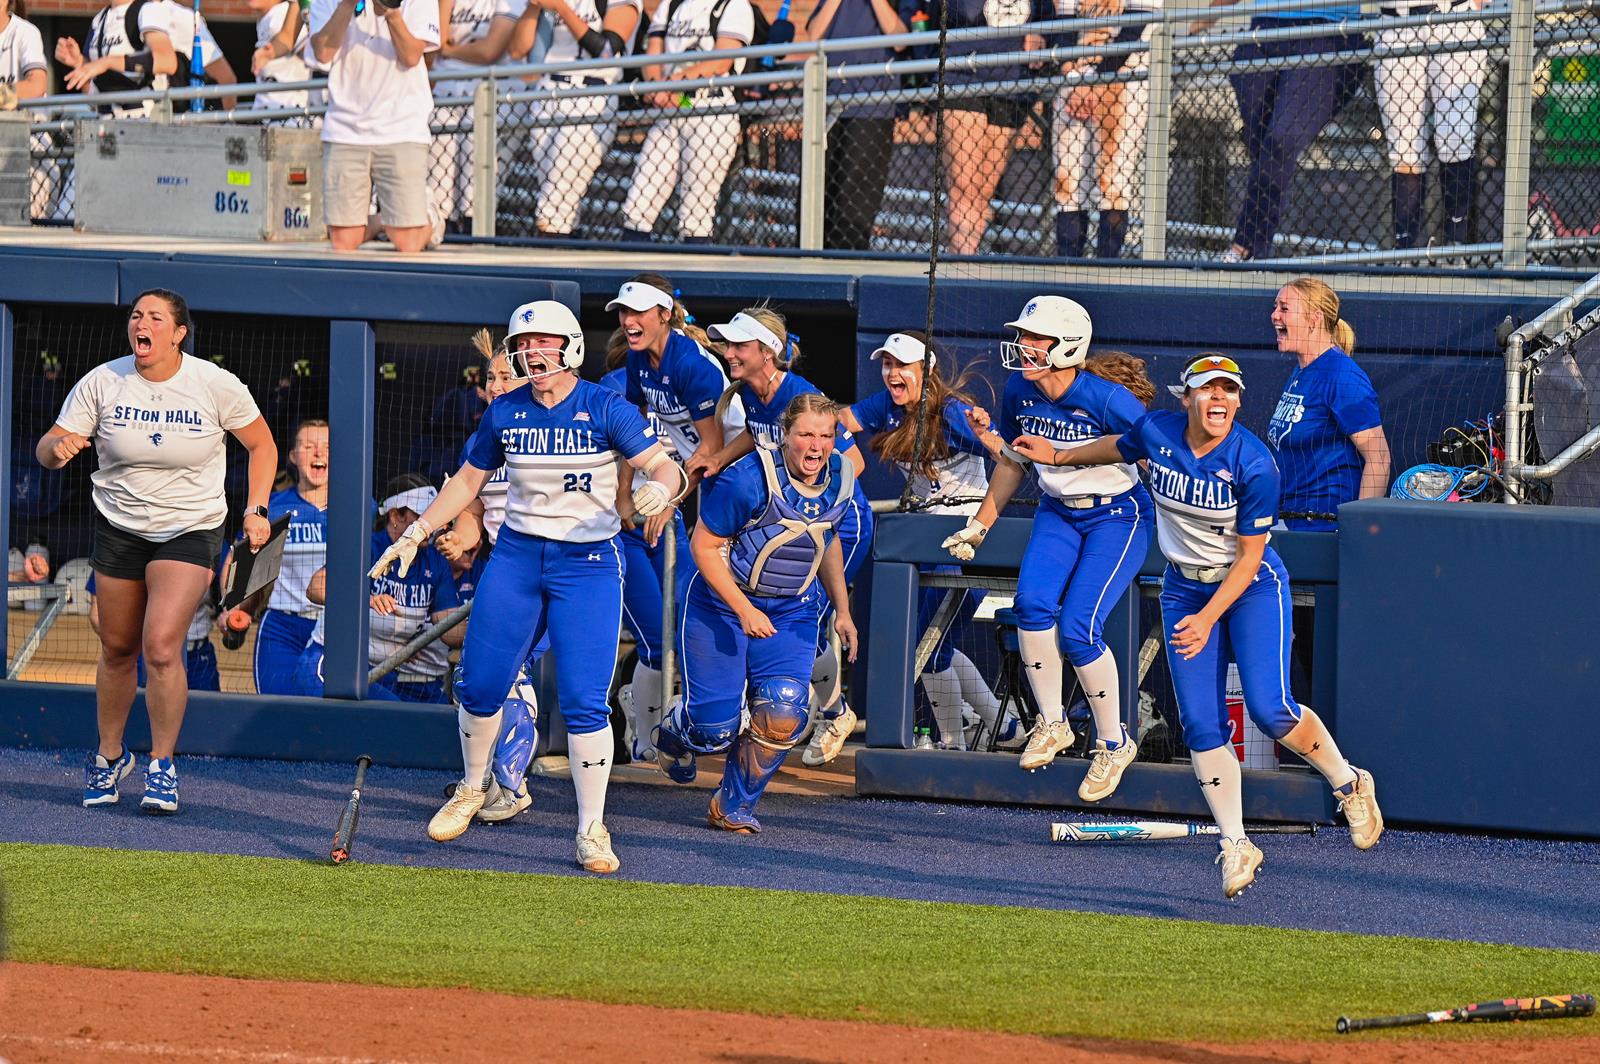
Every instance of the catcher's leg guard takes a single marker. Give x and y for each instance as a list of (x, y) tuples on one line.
[(519, 734), (777, 719)]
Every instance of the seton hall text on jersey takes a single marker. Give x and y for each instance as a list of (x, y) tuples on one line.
[(1203, 492), (548, 440), (1073, 431), (156, 417), (415, 596), (662, 401)]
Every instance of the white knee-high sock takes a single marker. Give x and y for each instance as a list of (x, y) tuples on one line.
[(1220, 785), (478, 738), (825, 682), (646, 692), (1312, 741), (1102, 689), (944, 695), (590, 758), (974, 691), (1041, 659)]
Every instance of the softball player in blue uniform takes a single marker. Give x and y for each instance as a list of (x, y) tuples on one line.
[(644, 569), (1226, 597), (285, 627), (952, 479), (1089, 538), (404, 605), (767, 530), (556, 562), (760, 364)]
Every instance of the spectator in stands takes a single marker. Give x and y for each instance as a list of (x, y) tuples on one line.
[(861, 138), (1283, 110), (376, 132), (1326, 432), (980, 129), (283, 53), (158, 419), (404, 606), (22, 62), (567, 156), (476, 33), (120, 57), (187, 27), (690, 154)]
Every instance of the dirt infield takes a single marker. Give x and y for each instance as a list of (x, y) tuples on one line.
[(59, 1015)]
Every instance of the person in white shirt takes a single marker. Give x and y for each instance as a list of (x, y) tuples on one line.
[(692, 155), (118, 57), (22, 62), (184, 25), (477, 34), (376, 128), (159, 421), (567, 156), (283, 53)]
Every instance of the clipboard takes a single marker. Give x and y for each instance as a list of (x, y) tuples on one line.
[(253, 571)]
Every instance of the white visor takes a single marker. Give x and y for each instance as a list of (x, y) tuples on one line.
[(903, 348), (636, 295), (743, 327), (414, 499)]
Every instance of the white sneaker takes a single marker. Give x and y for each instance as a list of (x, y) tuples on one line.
[(1239, 862), (829, 737), (452, 821), (1106, 771), (500, 804), (1012, 735), (594, 850), (1045, 741), (1361, 810)]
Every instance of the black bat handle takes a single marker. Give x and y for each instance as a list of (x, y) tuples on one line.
[(345, 833), (1411, 1019)]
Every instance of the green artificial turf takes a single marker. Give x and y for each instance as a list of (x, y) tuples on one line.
[(765, 951)]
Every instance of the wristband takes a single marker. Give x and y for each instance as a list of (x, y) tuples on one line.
[(258, 511), (593, 43)]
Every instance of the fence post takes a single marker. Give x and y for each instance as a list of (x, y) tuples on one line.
[(352, 372), (485, 158), (8, 363), (1519, 136), (1157, 143), (813, 149), (161, 109)]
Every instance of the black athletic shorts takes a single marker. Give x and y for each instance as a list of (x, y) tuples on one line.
[(124, 554), (1007, 112)]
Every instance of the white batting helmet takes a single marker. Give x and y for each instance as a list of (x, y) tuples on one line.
[(1056, 317), (545, 317)]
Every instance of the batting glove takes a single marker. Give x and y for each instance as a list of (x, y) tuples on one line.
[(964, 544), (650, 498), (403, 550)]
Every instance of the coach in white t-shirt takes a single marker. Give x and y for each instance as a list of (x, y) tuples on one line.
[(376, 129), (159, 421)]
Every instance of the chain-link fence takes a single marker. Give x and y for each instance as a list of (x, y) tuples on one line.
[(1301, 132)]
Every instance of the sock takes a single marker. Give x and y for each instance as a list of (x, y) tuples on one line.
[(1071, 227), (645, 705), (1455, 188), (1312, 741), (825, 683), (944, 695), (1041, 657), (1101, 687), (974, 691), (478, 738), (1218, 773), (1410, 193), (1113, 231), (590, 758)]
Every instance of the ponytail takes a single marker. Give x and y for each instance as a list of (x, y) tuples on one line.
[(1344, 337)]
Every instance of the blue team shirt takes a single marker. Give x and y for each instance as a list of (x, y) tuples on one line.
[(427, 588), (305, 550), (561, 460), (682, 390), (961, 475), (1321, 407), (1204, 504), (764, 421), (1090, 408), (738, 495)]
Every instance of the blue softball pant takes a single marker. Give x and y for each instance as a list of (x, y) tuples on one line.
[(308, 677), (719, 661), (280, 640), (1076, 567), (928, 600), (1255, 632), (533, 586), (644, 570)]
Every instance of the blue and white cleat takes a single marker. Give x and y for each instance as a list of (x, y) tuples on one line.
[(160, 787), (737, 821), (100, 778)]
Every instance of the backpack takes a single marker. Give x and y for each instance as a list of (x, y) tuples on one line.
[(115, 81), (761, 29)]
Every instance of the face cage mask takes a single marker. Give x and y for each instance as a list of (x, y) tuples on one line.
[(521, 370)]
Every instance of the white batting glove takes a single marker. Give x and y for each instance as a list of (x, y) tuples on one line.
[(403, 550), (964, 544), (651, 498)]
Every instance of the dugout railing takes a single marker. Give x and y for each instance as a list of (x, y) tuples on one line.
[(1553, 403), (1536, 137)]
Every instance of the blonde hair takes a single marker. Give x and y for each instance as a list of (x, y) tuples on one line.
[(784, 360), (898, 444), (808, 403), (1325, 301), (483, 343), (616, 350), (1119, 367)]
